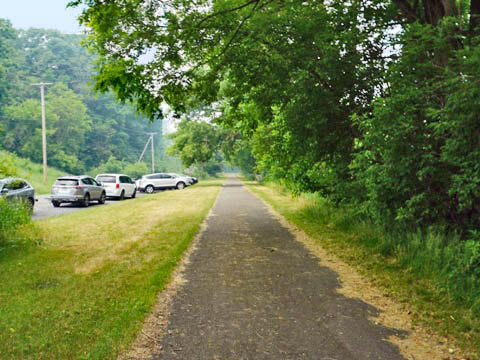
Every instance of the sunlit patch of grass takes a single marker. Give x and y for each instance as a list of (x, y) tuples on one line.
[(85, 291)]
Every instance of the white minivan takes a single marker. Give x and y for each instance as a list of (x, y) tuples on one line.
[(118, 186)]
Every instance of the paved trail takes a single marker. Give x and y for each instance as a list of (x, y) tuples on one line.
[(254, 292)]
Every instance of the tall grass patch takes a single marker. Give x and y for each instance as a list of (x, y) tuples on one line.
[(437, 273), (84, 293), (16, 227)]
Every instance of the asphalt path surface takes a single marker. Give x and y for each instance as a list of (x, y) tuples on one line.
[(43, 207), (253, 291)]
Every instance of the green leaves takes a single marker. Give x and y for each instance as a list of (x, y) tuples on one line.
[(194, 142), (372, 103)]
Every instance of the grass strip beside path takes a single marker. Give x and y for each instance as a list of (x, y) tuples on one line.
[(84, 293), (356, 245)]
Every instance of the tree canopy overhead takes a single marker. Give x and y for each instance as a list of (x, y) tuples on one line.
[(368, 102)]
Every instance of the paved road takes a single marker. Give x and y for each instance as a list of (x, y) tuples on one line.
[(254, 292), (44, 208)]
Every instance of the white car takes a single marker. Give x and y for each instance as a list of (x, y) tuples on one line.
[(118, 186), (191, 180), (150, 183)]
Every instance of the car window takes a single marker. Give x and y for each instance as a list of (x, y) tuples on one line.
[(155, 176), (95, 182), (107, 179), (15, 185), (66, 182), (87, 181)]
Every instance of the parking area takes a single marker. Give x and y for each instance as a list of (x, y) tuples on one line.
[(43, 207)]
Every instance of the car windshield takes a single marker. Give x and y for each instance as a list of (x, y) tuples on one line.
[(107, 179), (66, 182)]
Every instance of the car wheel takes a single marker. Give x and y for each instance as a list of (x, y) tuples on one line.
[(149, 189), (55, 204), (102, 199), (134, 194), (122, 196), (86, 200), (181, 185), (31, 203)]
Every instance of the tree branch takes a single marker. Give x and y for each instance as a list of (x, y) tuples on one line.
[(238, 28), (248, 3), (407, 11)]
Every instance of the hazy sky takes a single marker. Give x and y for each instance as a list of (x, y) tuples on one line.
[(48, 14)]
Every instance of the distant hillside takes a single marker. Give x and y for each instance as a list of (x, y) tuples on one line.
[(83, 131), (33, 172)]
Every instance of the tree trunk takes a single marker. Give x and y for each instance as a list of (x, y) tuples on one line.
[(475, 17), (406, 10), (435, 10)]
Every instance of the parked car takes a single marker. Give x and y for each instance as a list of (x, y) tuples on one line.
[(150, 183), (192, 180), (77, 189), (117, 186), (18, 190)]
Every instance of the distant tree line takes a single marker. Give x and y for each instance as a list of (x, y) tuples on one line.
[(84, 131)]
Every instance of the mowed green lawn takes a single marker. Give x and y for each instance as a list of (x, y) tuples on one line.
[(84, 292)]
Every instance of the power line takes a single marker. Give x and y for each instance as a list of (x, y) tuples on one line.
[(150, 139)]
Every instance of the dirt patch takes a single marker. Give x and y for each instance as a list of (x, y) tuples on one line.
[(421, 343)]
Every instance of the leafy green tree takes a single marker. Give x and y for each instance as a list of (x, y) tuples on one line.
[(7, 52), (108, 128), (195, 142), (7, 168), (419, 155), (67, 123), (372, 103)]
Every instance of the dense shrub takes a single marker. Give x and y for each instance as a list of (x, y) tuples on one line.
[(450, 263), (419, 155)]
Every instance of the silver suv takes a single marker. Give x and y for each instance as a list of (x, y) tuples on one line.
[(150, 183), (77, 189), (17, 190)]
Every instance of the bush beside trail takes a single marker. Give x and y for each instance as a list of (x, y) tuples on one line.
[(15, 223)]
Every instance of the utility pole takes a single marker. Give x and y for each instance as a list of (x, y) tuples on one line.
[(153, 154), (145, 148), (44, 129)]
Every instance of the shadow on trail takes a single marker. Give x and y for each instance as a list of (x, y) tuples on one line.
[(253, 291)]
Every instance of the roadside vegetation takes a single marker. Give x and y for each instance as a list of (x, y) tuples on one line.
[(16, 228), (32, 172), (437, 275), (85, 290)]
